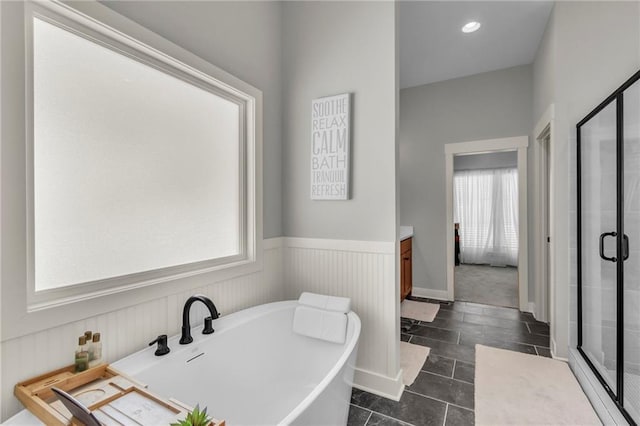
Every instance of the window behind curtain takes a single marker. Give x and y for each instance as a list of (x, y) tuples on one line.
[(486, 206)]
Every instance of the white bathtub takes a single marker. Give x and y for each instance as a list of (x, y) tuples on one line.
[(254, 370)]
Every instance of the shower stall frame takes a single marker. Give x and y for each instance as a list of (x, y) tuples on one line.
[(622, 246)]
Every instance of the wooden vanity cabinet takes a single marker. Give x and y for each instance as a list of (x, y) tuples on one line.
[(406, 282)]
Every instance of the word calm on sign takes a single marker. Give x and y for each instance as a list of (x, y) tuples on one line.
[(330, 140)]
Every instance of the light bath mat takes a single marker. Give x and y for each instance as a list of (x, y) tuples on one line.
[(513, 388), (412, 358), (421, 311)]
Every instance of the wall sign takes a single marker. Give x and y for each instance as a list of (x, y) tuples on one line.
[(330, 141)]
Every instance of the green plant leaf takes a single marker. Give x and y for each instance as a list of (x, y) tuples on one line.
[(195, 418)]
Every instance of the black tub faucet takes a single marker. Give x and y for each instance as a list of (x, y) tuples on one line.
[(186, 326)]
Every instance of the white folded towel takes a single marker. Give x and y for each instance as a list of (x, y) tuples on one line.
[(329, 303), (320, 324)]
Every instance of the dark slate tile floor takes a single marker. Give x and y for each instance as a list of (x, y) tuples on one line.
[(443, 393)]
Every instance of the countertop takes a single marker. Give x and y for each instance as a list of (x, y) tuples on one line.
[(406, 232)]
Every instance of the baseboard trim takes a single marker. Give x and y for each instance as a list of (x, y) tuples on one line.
[(386, 387), (554, 351), (531, 308), (430, 293)]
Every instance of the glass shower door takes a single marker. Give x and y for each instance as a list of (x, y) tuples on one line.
[(631, 285), (609, 245), (598, 235)]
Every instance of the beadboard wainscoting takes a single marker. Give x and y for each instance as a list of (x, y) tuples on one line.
[(128, 330), (364, 271)]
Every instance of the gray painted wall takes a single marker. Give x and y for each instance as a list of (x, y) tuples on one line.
[(331, 48), (543, 71), (590, 49), (492, 160), (491, 105), (543, 94), (244, 39)]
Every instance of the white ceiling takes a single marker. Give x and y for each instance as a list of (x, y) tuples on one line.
[(433, 48)]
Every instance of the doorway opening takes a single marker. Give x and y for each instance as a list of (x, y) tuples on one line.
[(517, 255), (485, 214)]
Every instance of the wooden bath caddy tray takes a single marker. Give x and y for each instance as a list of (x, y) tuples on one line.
[(112, 397)]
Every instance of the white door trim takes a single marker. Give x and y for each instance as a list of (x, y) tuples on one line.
[(544, 292), (518, 143)]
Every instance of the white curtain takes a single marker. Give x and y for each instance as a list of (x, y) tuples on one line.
[(486, 207)]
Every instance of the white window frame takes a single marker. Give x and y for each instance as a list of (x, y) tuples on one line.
[(105, 27)]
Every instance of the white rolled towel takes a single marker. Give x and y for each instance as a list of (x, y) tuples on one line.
[(329, 303), (320, 324)]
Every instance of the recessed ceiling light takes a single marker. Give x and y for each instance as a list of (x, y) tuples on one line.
[(470, 27)]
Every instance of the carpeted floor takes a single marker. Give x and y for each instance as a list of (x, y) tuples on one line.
[(488, 285)]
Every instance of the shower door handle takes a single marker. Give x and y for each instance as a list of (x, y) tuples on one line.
[(625, 247), (606, 234)]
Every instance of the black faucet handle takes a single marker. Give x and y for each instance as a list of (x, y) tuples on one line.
[(208, 327), (163, 347)]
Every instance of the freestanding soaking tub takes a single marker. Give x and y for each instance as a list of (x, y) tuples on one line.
[(254, 370)]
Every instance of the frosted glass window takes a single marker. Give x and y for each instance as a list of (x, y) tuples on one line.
[(135, 169)]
